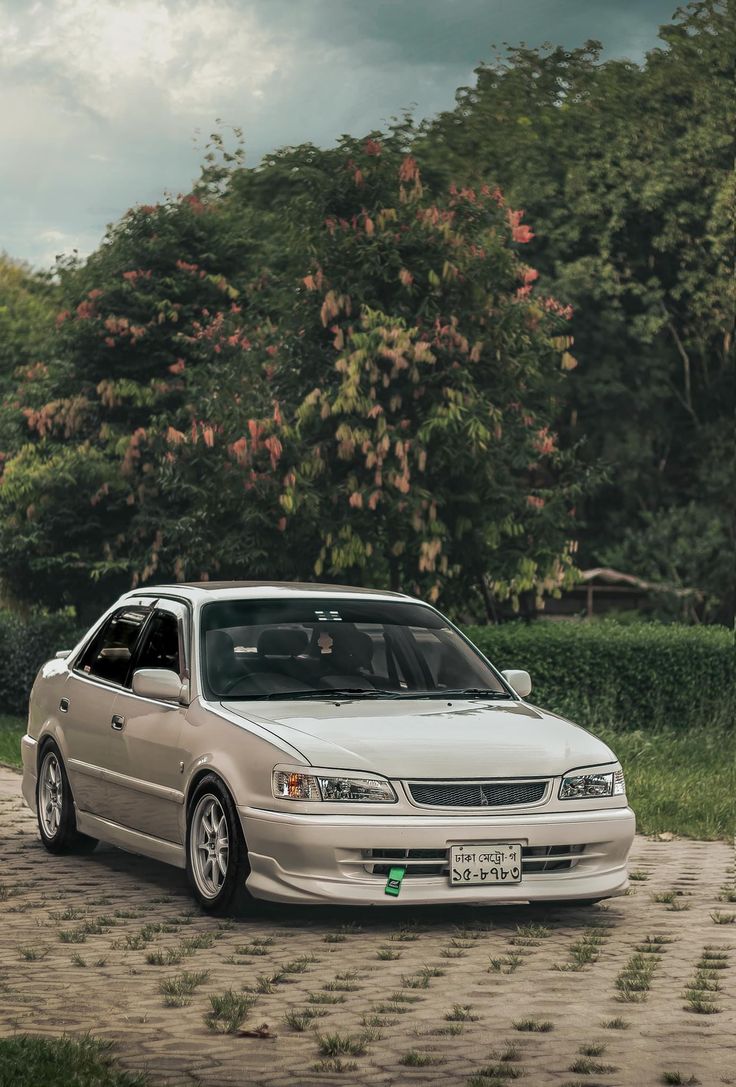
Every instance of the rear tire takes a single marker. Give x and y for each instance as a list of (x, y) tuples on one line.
[(57, 820), (217, 856)]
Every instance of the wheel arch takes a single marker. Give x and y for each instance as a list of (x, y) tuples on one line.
[(202, 773)]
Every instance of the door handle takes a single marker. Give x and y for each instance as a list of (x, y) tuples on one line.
[(64, 705), (118, 722)]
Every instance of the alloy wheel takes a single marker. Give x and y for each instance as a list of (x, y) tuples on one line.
[(209, 845), (51, 795)]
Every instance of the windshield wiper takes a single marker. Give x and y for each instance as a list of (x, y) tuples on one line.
[(461, 692), (328, 694)]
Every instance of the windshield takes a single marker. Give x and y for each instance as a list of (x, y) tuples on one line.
[(325, 648)]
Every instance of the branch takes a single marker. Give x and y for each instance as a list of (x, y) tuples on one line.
[(687, 400)]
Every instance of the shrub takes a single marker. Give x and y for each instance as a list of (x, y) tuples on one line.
[(25, 644), (631, 676)]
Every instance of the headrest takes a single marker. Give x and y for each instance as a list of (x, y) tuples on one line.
[(353, 646), (281, 642)]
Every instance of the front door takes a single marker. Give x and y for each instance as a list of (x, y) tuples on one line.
[(87, 704), (146, 760)]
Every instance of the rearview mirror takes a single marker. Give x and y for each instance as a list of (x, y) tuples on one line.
[(62, 654), (160, 683), (519, 681)]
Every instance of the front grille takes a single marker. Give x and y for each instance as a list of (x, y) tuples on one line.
[(549, 858), (476, 794), (418, 862), (535, 859)]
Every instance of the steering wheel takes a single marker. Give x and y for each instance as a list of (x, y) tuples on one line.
[(233, 683)]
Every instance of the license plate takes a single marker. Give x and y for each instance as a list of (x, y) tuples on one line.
[(475, 864)]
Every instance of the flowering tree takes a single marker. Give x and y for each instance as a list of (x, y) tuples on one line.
[(427, 436), (359, 385)]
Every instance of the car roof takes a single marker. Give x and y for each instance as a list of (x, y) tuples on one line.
[(230, 590)]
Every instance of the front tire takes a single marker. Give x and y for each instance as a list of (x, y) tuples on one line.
[(57, 821), (217, 856)]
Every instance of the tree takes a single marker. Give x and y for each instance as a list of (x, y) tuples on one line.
[(428, 459), (383, 415), (627, 173), (27, 309)]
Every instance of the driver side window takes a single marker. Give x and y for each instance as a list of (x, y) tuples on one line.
[(160, 647)]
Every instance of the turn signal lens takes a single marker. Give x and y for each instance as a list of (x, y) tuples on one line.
[(295, 786)]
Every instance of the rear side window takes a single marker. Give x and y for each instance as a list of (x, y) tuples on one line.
[(109, 654), (160, 647)]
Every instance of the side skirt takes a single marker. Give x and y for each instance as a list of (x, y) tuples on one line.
[(132, 841)]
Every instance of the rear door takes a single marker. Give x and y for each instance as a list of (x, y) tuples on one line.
[(87, 703), (147, 757)]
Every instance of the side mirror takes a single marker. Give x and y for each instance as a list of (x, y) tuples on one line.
[(160, 683), (519, 681), (61, 654)]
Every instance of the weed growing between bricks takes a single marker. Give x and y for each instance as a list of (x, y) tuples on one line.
[(700, 992)]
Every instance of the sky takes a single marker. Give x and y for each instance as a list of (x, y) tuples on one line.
[(106, 103)]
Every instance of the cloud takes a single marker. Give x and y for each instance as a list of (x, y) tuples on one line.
[(102, 98)]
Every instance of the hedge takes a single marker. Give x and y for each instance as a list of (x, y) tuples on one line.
[(25, 643), (633, 676), (626, 676)]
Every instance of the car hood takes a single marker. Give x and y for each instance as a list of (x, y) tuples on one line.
[(426, 739)]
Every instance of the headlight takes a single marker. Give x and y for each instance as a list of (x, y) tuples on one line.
[(589, 784), (322, 785)]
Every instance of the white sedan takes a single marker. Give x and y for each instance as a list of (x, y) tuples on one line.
[(314, 743)]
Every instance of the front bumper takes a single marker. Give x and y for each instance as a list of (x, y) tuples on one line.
[(343, 860)]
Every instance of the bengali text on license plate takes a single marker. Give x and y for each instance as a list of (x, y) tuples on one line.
[(471, 864)]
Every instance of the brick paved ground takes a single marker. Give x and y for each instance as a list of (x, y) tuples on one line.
[(99, 980)]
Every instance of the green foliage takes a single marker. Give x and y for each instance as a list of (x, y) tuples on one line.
[(429, 460), (627, 173), (27, 1060), (388, 409), (627, 676), (340, 363), (25, 644), (27, 311)]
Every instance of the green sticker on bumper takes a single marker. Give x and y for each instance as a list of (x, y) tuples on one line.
[(393, 883)]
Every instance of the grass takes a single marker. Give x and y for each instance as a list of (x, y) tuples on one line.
[(177, 991), (415, 1059), (533, 1026), (301, 965), (301, 1021), (170, 957), (530, 935), (635, 980), (26, 1061), (585, 950), (586, 1067), (507, 964), (228, 1011), (11, 730), (33, 954), (678, 1078), (495, 1073), (679, 781), (334, 1064), (341, 1045), (461, 1013), (700, 991), (325, 998)]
